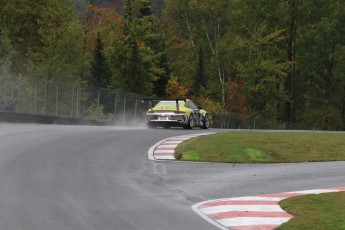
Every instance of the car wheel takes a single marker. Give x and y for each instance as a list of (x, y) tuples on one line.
[(206, 122), (190, 124)]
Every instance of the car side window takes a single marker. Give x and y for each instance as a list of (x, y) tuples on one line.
[(192, 105)]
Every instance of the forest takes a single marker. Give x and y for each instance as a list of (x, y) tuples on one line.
[(283, 62)]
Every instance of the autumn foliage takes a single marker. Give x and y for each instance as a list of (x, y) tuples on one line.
[(236, 97), (284, 62), (174, 89)]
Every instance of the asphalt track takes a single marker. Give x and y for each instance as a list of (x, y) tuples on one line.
[(77, 177)]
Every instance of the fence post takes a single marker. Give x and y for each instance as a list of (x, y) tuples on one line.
[(12, 91), (45, 99), (98, 96), (254, 124), (57, 101), (35, 106), (124, 108), (77, 103), (115, 108), (135, 109), (72, 107)]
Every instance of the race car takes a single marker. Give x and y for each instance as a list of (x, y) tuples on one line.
[(178, 112)]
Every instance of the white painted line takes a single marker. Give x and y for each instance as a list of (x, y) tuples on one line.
[(166, 146), (173, 142), (180, 139)]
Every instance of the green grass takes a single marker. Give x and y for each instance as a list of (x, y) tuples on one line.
[(263, 147), (317, 212)]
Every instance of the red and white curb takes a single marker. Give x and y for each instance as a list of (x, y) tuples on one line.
[(251, 212), (164, 150)]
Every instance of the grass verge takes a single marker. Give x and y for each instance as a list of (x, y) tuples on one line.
[(322, 211), (263, 147)]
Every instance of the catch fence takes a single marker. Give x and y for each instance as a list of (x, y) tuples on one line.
[(71, 100), (233, 120)]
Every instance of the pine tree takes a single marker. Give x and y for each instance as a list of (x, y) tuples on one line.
[(100, 78), (136, 60), (100, 73)]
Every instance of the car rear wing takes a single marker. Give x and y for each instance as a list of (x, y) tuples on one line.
[(150, 100)]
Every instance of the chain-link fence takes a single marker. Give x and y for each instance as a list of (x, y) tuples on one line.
[(232, 120), (71, 100), (68, 100)]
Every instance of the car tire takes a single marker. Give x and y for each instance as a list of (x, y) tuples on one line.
[(205, 122), (190, 123)]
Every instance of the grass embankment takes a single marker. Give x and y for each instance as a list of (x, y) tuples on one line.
[(319, 212), (265, 147)]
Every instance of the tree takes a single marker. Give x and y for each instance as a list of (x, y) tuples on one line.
[(42, 32), (200, 78), (7, 52), (177, 52), (321, 92), (136, 62), (175, 89), (100, 24), (263, 72), (205, 23), (100, 73)]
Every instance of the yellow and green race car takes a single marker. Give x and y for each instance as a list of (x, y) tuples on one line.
[(178, 112)]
